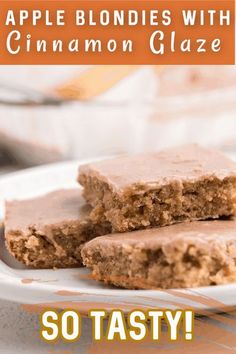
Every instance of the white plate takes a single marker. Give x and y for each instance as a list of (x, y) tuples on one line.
[(71, 288)]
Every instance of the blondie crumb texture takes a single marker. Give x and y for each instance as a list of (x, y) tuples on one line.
[(49, 231), (183, 184), (185, 255)]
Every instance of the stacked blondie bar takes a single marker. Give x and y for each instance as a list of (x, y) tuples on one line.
[(157, 220)]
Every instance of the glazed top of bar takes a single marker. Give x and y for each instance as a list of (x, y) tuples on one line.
[(66, 205), (189, 162), (197, 231)]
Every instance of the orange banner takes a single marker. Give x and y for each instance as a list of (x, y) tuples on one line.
[(117, 32)]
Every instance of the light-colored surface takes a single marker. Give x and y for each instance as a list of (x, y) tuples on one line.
[(128, 118), (19, 334), (207, 119), (188, 80), (62, 286), (112, 123)]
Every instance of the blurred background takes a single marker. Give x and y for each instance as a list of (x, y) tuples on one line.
[(57, 113)]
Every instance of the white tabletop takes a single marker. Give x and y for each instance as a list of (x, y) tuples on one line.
[(19, 333)]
